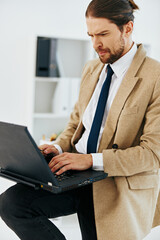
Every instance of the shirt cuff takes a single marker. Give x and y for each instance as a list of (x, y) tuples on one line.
[(97, 161), (58, 148)]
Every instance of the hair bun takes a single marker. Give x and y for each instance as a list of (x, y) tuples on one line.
[(133, 5)]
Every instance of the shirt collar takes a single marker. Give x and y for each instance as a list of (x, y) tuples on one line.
[(122, 64)]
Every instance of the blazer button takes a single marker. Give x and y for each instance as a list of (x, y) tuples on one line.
[(115, 146)]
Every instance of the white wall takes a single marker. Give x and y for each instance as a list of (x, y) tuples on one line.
[(147, 22)]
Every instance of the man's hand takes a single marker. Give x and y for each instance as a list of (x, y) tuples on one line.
[(47, 149), (70, 161)]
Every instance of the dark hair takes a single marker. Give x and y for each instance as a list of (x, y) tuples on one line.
[(119, 12)]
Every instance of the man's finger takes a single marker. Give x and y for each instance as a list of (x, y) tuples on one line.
[(58, 165), (64, 169)]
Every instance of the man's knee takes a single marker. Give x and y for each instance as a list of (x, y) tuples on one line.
[(9, 204)]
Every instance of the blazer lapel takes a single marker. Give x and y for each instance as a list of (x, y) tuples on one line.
[(90, 84), (87, 90), (124, 91)]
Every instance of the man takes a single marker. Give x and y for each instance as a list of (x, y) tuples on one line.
[(126, 145)]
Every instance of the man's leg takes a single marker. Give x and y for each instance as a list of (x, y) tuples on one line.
[(86, 214), (26, 212)]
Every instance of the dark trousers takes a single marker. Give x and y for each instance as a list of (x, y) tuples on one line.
[(26, 211)]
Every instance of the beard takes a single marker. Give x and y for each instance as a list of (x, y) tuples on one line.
[(112, 56)]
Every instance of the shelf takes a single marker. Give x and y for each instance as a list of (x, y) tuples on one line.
[(50, 115), (53, 80), (46, 79), (47, 124), (54, 97)]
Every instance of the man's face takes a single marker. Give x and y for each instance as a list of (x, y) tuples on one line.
[(108, 41)]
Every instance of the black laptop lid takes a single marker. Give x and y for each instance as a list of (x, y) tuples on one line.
[(19, 153)]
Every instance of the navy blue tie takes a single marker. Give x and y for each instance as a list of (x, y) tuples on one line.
[(97, 121)]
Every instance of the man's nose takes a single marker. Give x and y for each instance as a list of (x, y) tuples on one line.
[(96, 42)]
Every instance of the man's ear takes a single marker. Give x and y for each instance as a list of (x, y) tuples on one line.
[(128, 28)]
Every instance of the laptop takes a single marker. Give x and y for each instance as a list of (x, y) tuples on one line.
[(21, 161)]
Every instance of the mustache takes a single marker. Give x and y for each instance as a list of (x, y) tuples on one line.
[(102, 50)]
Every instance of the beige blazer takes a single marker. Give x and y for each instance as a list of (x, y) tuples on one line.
[(125, 202)]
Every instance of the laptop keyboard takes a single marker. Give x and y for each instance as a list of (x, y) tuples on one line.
[(64, 176)]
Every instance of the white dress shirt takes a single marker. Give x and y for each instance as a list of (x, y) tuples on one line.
[(119, 68)]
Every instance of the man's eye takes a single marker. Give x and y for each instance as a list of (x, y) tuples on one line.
[(103, 34)]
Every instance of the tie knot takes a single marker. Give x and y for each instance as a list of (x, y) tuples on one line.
[(109, 71)]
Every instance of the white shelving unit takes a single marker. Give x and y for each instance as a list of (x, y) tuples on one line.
[(54, 98)]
